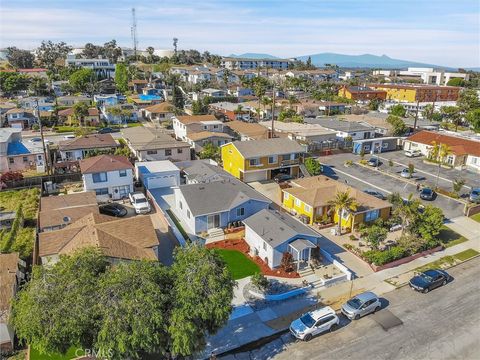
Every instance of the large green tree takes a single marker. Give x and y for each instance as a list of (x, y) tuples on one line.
[(121, 77), (49, 53), (468, 100), (398, 110), (313, 166), (473, 118), (18, 58), (82, 80), (127, 309), (399, 127), (11, 82)]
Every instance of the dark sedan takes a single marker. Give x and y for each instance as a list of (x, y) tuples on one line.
[(108, 130), (429, 280), (113, 209), (282, 178), (373, 162), (427, 194)]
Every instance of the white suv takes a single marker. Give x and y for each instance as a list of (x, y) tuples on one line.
[(413, 153), (139, 202), (314, 322)]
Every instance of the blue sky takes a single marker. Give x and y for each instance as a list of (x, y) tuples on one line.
[(443, 32)]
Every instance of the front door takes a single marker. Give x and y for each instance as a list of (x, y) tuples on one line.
[(213, 221)]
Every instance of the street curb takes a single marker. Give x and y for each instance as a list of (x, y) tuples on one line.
[(447, 268)]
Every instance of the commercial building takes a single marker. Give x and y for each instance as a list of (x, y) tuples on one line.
[(421, 93)]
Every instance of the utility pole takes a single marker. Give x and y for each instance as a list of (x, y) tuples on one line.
[(45, 158), (416, 117), (134, 33), (273, 112)]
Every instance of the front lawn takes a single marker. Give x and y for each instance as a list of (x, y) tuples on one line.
[(467, 254), (238, 264), (450, 238), (476, 217)]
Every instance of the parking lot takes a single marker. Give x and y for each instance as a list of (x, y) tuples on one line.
[(368, 178)]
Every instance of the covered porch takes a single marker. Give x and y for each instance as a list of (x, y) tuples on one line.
[(301, 250)]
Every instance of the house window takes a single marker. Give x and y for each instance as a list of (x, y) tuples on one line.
[(99, 177), (254, 162), (188, 214), (296, 156), (286, 196), (308, 208), (179, 151), (272, 159), (11, 160), (241, 211), (215, 126), (366, 148), (151, 152), (450, 160), (168, 152), (372, 215), (102, 191), (298, 203), (384, 145), (123, 173), (25, 159), (264, 246)]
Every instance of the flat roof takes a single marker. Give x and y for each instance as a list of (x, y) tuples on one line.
[(157, 166)]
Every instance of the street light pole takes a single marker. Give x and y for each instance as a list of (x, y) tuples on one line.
[(45, 158)]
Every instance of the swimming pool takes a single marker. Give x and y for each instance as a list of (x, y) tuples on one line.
[(149, 97)]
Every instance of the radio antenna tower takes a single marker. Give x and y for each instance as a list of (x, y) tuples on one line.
[(134, 33)]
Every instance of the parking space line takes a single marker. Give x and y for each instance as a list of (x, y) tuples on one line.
[(422, 171), (358, 179)]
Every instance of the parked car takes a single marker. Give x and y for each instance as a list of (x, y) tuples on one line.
[(361, 305), (429, 280), (314, 323), (375, 193), (281, 178), (427, 194), (373, 162), (107, 130), (139, 202), (113, 209), (69, 137), (405, 173), (35, 139), (474, 195), (413, 153)]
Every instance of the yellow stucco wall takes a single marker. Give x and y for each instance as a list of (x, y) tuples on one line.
[(290, 205), (399, 94), (232, 160)]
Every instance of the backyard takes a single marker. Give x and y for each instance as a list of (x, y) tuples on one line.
[(239, 265), (20, 237)]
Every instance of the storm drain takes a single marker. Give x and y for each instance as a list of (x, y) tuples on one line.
[(386, 319)]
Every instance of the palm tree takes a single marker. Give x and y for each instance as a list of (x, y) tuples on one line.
[(80, 111), (407, 210), (343, 203), (443, 152), (265, 102)]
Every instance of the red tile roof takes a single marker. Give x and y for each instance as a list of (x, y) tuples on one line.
[(459, 146), (103, 163)]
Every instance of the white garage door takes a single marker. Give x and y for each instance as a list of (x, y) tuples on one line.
[(255, 176), (161, 181)]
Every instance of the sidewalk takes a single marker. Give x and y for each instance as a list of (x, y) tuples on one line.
[(251, 326)]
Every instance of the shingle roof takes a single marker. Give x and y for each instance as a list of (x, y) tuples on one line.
[(202, 135), (164, 107), (201, 171), (8, 269), (69, 111), (69, 200), (92, 141), (275, 146), (102, 163), (252, 130), (130, 238), (340, 125), (143, 138), (276, 228), (459, 146), (218, 196), (190, 119)]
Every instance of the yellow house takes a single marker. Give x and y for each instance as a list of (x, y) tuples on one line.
[(416, 92), (310, 197), (258, 160)]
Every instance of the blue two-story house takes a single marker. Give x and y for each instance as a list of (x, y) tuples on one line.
[(207, 206)]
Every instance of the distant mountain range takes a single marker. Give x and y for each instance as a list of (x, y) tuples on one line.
[(352, 61)]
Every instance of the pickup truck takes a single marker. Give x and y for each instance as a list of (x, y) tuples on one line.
[(139, 202)]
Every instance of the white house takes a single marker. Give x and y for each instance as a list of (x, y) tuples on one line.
[(183, 125), (77, 148), (270, 234), (102, 67), (110, 176), (345, 129)]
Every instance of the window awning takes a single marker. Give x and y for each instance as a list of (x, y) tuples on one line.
[(302, 244)]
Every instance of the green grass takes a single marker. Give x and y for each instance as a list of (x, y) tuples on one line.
[(467, 254), (238, 264), (450, 238), (476, 217), (178, 225), (35, 355)]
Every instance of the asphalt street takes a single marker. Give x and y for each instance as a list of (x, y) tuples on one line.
[(442, 325), (368, 178)]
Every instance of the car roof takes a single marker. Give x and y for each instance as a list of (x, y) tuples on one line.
[(368, 295), (431, 272), (322, 312)]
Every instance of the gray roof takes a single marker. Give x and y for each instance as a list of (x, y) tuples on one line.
[(143, 138), (5, 133), (218, 196), (340, 125), (275, 146), (200, 170), (276, 228)]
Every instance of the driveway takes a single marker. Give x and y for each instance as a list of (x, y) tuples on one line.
[(368, 178)]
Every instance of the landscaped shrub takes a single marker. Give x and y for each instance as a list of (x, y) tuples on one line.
[(287, 262), (378, 257), (260, 281)]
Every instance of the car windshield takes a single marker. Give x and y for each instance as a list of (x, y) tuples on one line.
[(354, 303), (307, 320), (427, 191), (373, 160), (426, 277), (140, 200), (476, 192)]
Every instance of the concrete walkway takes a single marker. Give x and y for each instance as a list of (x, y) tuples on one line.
[(276, 318)]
